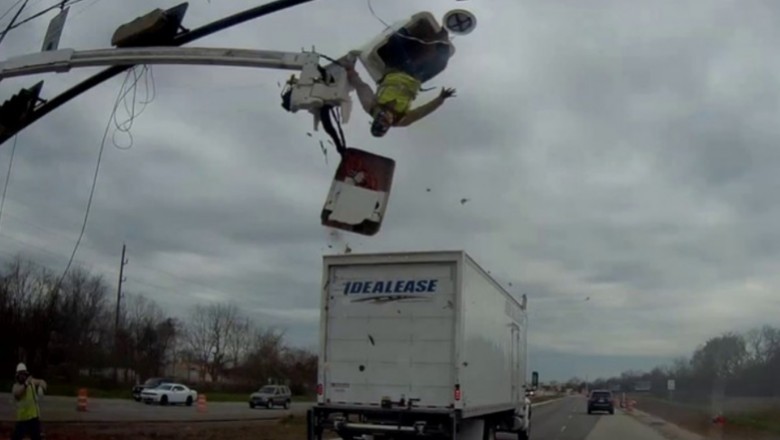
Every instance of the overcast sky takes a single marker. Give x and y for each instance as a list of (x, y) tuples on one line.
[(620, 160)]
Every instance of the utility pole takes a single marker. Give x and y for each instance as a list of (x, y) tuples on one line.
[(179, 40), (122, 279)]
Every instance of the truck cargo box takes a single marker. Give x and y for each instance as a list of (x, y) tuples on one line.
[(425, 330)]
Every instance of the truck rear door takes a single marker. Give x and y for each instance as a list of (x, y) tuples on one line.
[(390, 334)]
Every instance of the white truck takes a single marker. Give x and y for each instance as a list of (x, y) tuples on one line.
[(419, 344)]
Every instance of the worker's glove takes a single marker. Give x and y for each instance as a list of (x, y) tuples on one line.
[(447, 92)]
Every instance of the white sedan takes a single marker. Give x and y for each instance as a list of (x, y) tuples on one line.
[(173, 393)]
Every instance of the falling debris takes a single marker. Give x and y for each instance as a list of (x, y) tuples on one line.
[(324, 152), (510, 284), (463, 201), (347, 249), (427, 189), (587, 299), (371, 338), (308, 134)]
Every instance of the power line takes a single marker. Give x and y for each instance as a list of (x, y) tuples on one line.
[(10, 9), (59, 5), (7, 177), (13, 20)]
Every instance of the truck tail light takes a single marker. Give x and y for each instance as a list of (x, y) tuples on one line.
[(457, 393), (319, 389)]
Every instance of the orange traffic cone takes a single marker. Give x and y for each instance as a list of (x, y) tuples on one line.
[(81, 402), (201, 403)]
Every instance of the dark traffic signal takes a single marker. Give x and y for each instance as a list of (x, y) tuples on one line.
[(19, 106)]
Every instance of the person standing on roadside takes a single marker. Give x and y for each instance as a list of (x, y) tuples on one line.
[(25, 393)]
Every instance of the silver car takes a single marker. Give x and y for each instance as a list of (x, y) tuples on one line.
[(270, 396)]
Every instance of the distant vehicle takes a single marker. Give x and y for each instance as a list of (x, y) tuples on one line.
[(152, 382), (270, 396), (601, 400), (169, 393)]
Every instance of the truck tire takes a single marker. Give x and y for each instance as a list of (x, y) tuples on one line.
[(524, 435), (490, 431)]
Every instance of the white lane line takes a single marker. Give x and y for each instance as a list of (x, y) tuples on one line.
[(564, 428)]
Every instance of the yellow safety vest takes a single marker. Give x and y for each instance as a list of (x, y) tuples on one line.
[(27, 407), (397, 91)]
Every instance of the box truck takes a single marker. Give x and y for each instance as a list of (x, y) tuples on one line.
[(419, 344)]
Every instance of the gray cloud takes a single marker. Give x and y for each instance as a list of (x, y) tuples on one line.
[(616, 153)]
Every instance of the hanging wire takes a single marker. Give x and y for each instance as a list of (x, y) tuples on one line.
[(124, 90), (8, 177), (139, 73)]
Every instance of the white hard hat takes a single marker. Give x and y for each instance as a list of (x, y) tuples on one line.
[(21, 367)]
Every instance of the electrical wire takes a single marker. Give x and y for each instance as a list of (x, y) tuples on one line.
[(8, 177), (139, 72), (38, 14), (123, 92), (5, 14)]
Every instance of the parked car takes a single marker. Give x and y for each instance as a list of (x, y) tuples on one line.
[(601, 400), (270, 396), (152, 382), (169, 393)]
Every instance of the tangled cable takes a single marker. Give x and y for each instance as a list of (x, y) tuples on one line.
[(130, 90)]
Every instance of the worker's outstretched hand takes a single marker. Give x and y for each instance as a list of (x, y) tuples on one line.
[(447, 92)]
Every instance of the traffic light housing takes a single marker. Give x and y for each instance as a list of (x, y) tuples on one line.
[(157, 28), (19, 106)]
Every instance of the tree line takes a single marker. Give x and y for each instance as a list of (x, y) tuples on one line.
[(69, 331), (732, 364)]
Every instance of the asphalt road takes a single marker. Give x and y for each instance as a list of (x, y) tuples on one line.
[(567, 419), (63, 409)]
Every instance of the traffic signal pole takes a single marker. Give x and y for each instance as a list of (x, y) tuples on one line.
[(179, 40)]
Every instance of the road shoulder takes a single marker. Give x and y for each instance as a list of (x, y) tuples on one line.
[(666, 429), (623, 426)]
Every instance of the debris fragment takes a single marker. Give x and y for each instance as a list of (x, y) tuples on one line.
[(308, 134), (463, 201), (427, 189), (324, 152), (347, 249)]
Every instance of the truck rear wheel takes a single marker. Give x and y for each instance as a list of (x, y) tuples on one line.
[(525, 434), (490, 431)]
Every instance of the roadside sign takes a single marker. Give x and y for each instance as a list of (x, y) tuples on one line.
[(52, 39), (670, 384)]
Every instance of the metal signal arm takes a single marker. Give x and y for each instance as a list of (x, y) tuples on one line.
[(309, 92)]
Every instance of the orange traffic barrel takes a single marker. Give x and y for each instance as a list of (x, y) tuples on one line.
[(81, 402), (201, 403)]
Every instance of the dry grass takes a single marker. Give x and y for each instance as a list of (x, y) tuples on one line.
[(763, 425)]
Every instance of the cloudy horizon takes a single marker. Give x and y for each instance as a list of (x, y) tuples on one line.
[(619, 164)]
